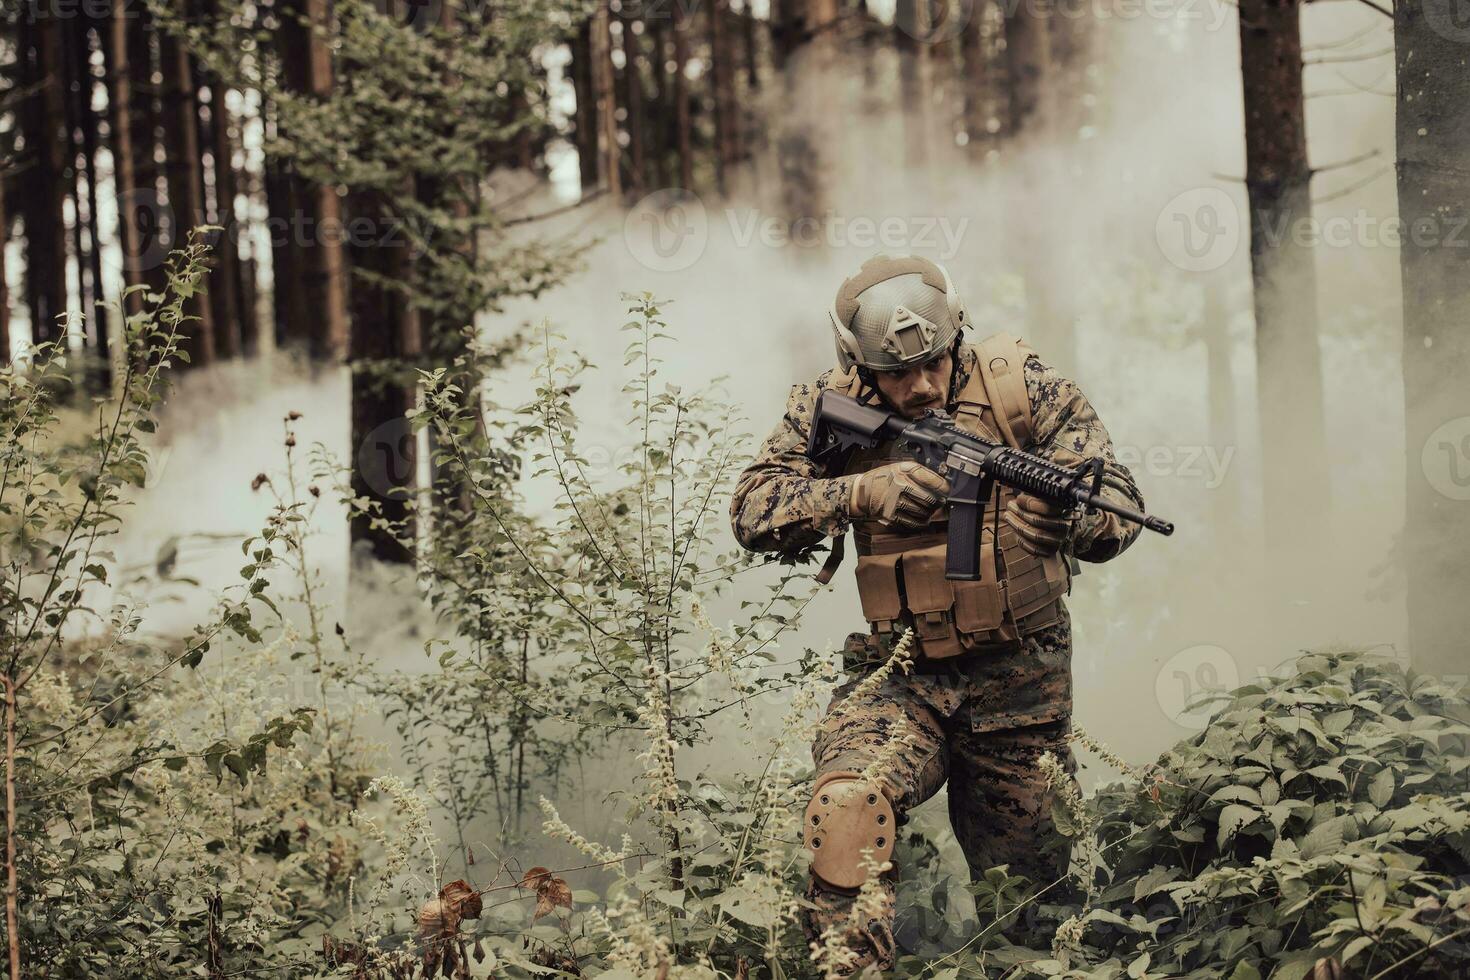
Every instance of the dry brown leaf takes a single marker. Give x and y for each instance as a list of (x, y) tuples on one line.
[(437, 919), (464, 900), (551, 891)]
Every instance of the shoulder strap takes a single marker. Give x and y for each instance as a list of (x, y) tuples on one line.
[(847, 382), (1000, 360), (850, 384)]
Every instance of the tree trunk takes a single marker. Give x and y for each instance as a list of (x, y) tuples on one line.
[(661, 125), (1278, 178), (604, 94), (145, 206), (810, 59), (315, 221), (382, 438), (88, 239), (224, 280), (722, 78), (1433, 148), (124, 176), (682, 127), (584, 123), (185, 188), (913, 95), (46, 205), (4, 287), (981, 82), (1215, 332), (633, 89), (747, 37), (1028, 61)]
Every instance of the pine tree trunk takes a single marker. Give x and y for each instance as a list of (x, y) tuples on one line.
[(224, 280), (1288, 363), (660, 114), (722, 78), (124, 177), (747, 36), (981, 82), (585, 119), (1433, 149), (604, 94), (633, 89), (1028, 59), (91, 140), (682, 141), (1215, 332), (316, 309), (146, 206), (185, 189), (382, 438), (46, 206), (4, 286)]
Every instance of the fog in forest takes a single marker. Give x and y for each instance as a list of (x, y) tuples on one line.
[(1138, 218)]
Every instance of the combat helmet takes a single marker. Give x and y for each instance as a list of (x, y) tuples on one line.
[(895, 312)]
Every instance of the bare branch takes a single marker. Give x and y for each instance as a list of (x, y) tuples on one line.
[(1355, 185), (1349, 162), (1328, 59)]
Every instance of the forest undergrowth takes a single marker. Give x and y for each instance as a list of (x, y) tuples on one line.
[(211, 804)]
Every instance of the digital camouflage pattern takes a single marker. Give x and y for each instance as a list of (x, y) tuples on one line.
[(785, 502), (979, 722), (999, 803)]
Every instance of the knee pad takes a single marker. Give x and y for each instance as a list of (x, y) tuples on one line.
[(846, 816)]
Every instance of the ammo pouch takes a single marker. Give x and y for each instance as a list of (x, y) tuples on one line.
[(901, 583)]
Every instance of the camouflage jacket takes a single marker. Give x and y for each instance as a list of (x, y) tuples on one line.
[(784, 502)]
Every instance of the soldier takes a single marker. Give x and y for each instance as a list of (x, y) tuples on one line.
[(990, 687)]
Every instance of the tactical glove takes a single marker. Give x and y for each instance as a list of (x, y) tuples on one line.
[(1042, 526), (904, 496)]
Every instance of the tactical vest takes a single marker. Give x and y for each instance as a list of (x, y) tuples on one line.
[(900, 576)]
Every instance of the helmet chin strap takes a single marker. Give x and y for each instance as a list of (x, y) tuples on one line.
[(870, 391)]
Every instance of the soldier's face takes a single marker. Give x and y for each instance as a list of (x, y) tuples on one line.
[(914, 390)]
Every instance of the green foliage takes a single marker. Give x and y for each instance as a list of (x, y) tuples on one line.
[(425, 104), (180, 810), (174, 806), (1320, 816)]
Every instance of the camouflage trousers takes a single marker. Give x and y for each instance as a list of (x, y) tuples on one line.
[(999, 803)]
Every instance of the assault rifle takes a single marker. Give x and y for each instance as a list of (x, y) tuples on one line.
[(972, 465)]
